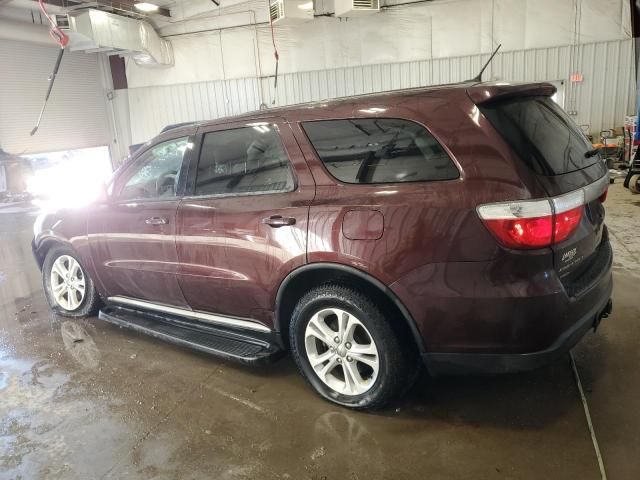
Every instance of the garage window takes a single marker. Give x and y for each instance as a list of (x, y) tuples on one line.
[(243, 161), (379, 150)]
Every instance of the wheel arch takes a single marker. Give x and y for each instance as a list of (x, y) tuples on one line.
[(42, 247), (311, 275)]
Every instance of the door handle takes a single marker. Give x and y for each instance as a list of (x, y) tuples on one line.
[(156, 221), (277, 221)]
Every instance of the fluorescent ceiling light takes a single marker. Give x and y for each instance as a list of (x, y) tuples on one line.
[(306, 6), (146, 7)]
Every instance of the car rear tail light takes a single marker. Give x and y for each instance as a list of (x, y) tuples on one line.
[(525, 224), (531, 224), (566, 223), (567, 211)]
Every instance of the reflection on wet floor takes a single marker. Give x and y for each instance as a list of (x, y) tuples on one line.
[(81, 399)]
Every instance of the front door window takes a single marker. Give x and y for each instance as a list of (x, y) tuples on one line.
[(156, 173)]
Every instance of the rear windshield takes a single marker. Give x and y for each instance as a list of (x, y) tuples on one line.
[(541, 133)]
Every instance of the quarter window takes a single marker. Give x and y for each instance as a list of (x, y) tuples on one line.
[(156, 173), (243, 161), (379, 150)]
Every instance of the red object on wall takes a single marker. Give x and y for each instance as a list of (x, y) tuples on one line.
[(576, 77)]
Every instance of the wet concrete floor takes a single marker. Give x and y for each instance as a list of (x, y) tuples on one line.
[(87, 400)]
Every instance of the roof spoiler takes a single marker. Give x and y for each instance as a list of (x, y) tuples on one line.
[(496, 91)]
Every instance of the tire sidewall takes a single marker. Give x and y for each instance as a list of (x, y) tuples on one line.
[(88, 304), (379, 331)]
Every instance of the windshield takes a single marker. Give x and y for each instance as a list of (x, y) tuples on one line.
[(541, 133)]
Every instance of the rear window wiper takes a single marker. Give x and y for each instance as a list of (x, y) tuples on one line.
[(591, 153)]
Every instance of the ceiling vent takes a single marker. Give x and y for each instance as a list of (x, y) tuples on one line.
[(288, 12), (355, 8), (98, 31)]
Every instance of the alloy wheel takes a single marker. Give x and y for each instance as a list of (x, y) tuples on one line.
[(67, 282), (341, 351)]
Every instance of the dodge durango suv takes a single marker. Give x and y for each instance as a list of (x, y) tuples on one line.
[(460, 227)]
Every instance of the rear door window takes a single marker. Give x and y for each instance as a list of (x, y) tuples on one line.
[(246, 160), (541, 133), (379, 150)]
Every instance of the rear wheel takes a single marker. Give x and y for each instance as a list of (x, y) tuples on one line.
[(68, 288), (345, 348), (634, 183)]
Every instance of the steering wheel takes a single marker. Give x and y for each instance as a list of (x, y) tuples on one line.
[(167, 179)]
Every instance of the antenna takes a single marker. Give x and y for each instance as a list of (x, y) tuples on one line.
[(478, 78)]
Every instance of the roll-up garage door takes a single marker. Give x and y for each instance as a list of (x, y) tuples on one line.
[(76, 116)]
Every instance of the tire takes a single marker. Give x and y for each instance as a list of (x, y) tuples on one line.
[(362, 380), (83, 303), (634, 184)]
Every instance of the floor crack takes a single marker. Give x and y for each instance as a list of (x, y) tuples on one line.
[(585, 406)]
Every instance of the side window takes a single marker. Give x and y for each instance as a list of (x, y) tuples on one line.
[(379, 150), (243, 160), (156, 173)]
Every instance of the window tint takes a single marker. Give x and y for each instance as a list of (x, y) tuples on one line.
[(541, 133), (379, 150), (156, 173), (243, 160)]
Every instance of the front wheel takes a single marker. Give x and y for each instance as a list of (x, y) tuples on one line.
[(345, 348), (68, 288)]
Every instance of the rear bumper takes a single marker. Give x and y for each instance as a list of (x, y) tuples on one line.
[(495, 363), (511, 314)]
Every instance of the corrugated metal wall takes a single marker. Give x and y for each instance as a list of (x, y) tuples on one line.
[(76, 114), (601, 100), (153, 108)]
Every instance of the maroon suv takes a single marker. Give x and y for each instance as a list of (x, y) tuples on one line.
[(458, 224)]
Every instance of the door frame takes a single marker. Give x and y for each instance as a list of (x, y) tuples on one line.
[(120, 175), (304, 185)]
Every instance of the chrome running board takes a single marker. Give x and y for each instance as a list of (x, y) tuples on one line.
[(211, 318)]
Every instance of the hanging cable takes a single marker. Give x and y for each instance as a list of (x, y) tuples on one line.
[(62, 40), (277, 57), (58, 35)]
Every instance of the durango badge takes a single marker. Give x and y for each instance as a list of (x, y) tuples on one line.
[(568, 255)]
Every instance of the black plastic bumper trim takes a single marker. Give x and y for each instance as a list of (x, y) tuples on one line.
[(496, 363)]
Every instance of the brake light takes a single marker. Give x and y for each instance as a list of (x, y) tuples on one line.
[(531, 224), (524, 224), (522, 232), (566, 223)]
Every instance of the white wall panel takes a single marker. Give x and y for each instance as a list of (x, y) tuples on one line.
[(436, 29), (153, 108), (601, 100), (76, 115)]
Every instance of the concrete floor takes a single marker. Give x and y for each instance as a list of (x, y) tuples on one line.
[(122, 405)]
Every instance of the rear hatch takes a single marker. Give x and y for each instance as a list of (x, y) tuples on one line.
[(549, 142)]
